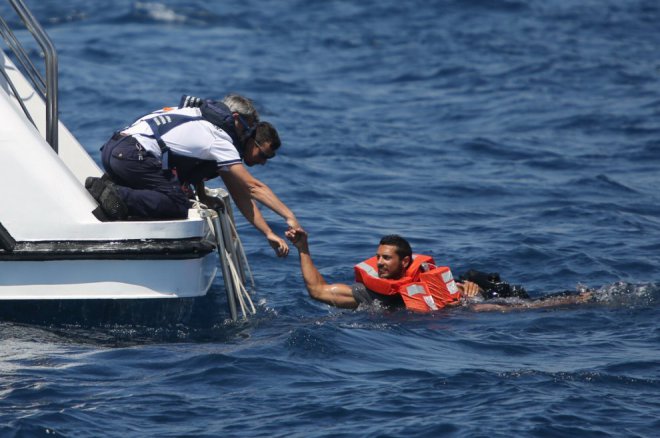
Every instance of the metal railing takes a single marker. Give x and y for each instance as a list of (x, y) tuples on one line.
[(233, 261), (46, 88)]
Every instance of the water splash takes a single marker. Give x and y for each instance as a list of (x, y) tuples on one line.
[(158, 12), (628, 294)]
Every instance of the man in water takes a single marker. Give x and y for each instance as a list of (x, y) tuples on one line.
[(393, 258), (393, 261)]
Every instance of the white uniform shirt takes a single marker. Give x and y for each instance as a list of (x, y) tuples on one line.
[(198, 139)]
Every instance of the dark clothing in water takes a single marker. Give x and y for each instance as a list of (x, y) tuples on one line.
[(492, 286), (365, 296)]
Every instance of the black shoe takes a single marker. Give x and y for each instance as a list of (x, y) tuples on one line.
[(112, 204), (100, 214), (95, 186)]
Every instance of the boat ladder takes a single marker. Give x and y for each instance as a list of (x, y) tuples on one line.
[(233, 261)]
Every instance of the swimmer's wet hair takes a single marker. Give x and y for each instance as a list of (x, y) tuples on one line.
[(403, 248)]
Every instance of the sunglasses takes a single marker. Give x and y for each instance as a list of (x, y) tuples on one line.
[(263, 154)]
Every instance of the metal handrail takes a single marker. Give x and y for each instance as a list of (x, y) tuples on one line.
[(46, 88), (233, 261)]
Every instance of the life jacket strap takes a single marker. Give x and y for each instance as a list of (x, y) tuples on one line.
[(162, 124)]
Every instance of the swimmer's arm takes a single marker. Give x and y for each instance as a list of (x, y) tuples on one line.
[(339, 295), (580, 298)]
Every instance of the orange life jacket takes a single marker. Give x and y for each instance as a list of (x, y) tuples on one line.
[(423, 288)]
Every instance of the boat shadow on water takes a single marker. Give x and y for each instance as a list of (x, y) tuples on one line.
[(127, 322)]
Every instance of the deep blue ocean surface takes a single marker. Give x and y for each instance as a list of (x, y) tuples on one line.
[(521, 137)]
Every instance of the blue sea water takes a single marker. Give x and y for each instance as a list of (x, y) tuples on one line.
[(521, 137)]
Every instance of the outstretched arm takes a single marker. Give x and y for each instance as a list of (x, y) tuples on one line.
[(239, 189), (338, 295), (581, 298), (264, 195)]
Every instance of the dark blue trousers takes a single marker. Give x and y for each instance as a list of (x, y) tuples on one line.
[(148, 190)]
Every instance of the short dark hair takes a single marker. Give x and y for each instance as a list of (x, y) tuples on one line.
[(403, 248), (266, 133)]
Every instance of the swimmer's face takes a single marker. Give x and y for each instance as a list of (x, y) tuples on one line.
[(390, 265)]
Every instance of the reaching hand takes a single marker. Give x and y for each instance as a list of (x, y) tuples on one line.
[(278, 244), (298, 237)]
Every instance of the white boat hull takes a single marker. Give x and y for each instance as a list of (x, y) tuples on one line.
[(104, 279), (54, 246)]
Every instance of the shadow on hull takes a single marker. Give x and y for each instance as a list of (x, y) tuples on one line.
[(198, 312)]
